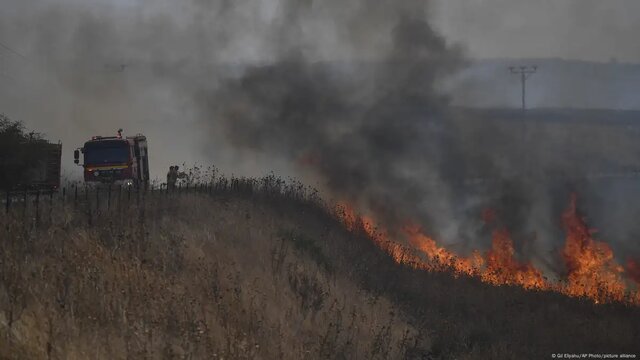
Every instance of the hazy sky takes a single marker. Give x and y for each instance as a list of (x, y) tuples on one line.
[(574, 29), (577, 29)]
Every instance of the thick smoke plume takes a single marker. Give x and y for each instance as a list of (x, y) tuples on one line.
[(378, 139)]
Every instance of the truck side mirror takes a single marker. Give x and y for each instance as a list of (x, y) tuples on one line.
[(76, 156)]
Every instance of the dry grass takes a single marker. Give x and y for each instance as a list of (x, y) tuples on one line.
[(191, 278), (259, 272)]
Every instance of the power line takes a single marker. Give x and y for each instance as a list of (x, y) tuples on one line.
[(11, 50), (525, 72)]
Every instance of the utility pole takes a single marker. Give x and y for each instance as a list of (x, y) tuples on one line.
[(525, 72)]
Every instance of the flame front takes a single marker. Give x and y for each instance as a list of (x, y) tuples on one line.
[(591, 268), (503, 268), (439, 257)]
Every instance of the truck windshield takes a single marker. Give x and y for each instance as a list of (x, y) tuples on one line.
[(106, 152)]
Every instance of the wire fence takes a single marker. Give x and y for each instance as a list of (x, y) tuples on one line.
[(96, 202)]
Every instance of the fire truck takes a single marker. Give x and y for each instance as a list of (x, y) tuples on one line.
[(115, 160)]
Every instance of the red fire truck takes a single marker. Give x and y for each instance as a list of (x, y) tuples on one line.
[(115, 160)]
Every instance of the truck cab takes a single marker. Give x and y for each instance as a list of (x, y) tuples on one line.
[(115, 160)]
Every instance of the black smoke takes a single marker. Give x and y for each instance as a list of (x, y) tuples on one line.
[(374, 133)]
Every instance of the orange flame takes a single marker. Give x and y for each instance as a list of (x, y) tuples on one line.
[(592, 270), (347, 215), (503, 268), (439, 257)]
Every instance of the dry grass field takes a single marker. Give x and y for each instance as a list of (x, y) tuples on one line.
[(252, 270)]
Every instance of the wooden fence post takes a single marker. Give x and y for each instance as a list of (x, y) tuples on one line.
[(109, 198), (8, 202), (24, 202), (51, 206), (38, 206)]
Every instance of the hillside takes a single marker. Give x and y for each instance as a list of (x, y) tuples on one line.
[(257, 270)]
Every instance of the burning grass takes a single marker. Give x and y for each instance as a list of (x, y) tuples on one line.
[(591, 268), (592, 271), (261, 269)]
